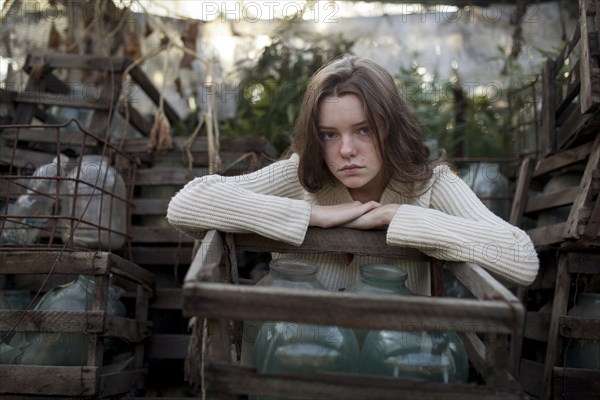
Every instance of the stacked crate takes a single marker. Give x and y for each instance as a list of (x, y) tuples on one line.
[(556, 201), (53, 259), (489, 325), (166, 252)]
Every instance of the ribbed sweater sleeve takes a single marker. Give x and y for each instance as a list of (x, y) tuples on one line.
[(268, 202), (459, 227)]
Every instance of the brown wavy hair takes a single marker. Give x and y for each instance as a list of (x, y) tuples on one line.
[(399, 139)]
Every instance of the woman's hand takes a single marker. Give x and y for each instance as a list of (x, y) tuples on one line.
[(377, 218), (340, 214)]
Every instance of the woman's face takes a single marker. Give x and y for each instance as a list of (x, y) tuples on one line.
[(349, 147)]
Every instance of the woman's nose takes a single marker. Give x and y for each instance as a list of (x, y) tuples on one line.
[(348, 148)]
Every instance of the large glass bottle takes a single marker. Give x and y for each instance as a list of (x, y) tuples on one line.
[(583, 353), (433, 356), (382, 279), (95, 205), (64, 348), (283, 272), (32, 206), (302, 348)]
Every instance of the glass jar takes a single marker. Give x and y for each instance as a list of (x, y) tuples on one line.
[(379, 279), (31, 210), (302, 348), (283, 272), (583, 353), (94, 203), (63, 348), (433, 356)]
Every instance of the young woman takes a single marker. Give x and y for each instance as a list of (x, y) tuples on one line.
[(358, 161)]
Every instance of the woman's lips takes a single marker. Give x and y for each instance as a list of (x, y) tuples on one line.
[(350, 168)]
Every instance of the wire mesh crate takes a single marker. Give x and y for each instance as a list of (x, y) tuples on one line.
[(63, 187)]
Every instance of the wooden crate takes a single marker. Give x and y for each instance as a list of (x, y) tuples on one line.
[(209, 293), (28, 147), (581, 227), (571, 85), (86, 381), (159, 247)]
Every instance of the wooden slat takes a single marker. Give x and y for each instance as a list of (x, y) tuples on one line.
[(571, 44), (584, 263), (559, 308), (587, 25), (49, 135), (126, 328), (237, 379), (571, 230), (205, 265), (62, 100), (239, 145), (173, 176), (547, 235), (520, 197), (561, 160), (319, 240), (48, 380), (569, 90), (548, 107), (128, 269), (530, 376), (52, 321), (148, 87), (87, 263), (579, 328), (551, 200), (23, 158), (576, 384), (237, 302), (152, 234), (79, 61)]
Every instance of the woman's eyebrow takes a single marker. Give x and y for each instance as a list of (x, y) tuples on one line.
[(334, 128)]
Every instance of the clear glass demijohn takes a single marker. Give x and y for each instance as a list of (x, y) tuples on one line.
[(94, 204)]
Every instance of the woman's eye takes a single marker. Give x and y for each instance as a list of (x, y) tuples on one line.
[(328, 135), (364, 131)]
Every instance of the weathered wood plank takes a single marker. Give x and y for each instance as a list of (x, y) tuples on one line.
[(148, 87), (547, 235), (579, 328), (318, 240), (530, 376), (156, 234), (561, 160), (42, 262), (576, 384), (237, 302), (150, 207), (584, 263), (62, 100), (550, 200), (237, 379), (52, 321), (571, 230), (520, 201), (79, 61), (548, 107), (172, 176), (49, 380), (205, 265)]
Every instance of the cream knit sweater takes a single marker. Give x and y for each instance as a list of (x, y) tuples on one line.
[(445, 220)]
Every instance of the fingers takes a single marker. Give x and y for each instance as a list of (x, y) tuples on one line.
[(337, 215)]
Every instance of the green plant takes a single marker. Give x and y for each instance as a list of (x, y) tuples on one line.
[(271, 90)]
